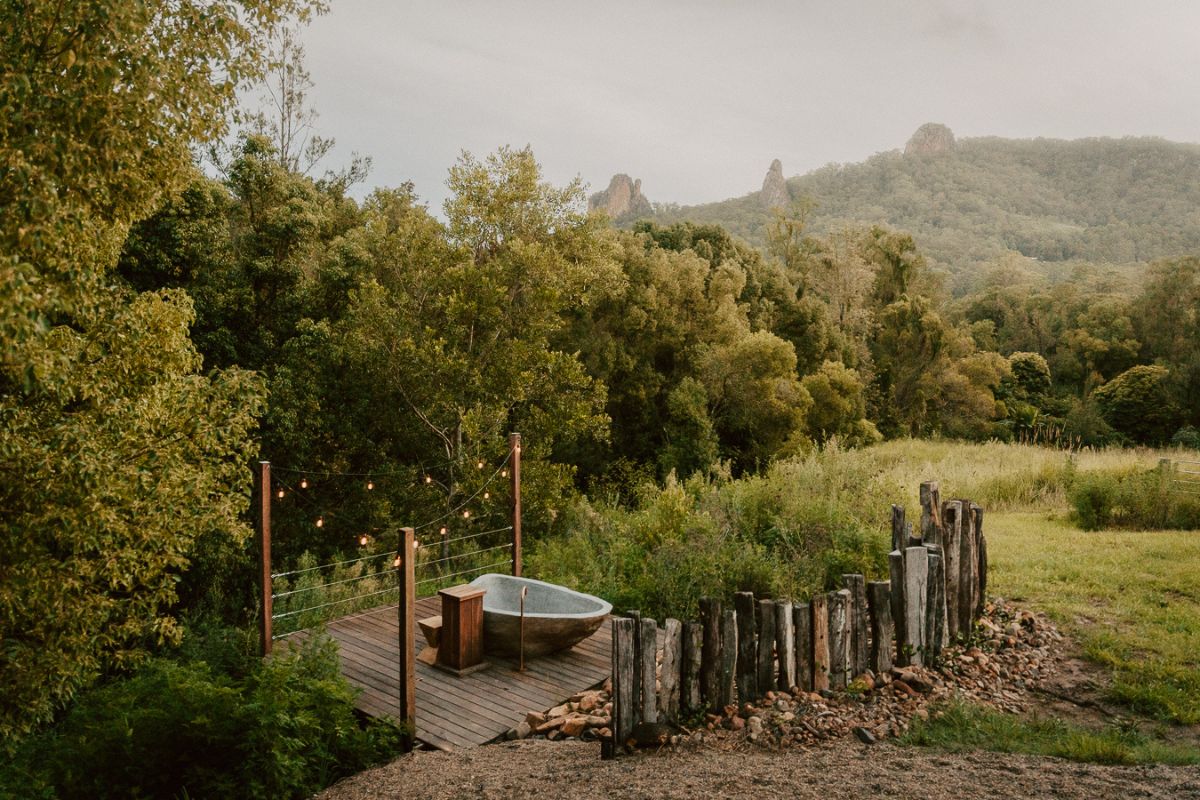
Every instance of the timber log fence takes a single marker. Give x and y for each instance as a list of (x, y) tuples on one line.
[(938, 579)]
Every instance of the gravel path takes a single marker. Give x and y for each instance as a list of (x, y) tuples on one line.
[(846, 769)]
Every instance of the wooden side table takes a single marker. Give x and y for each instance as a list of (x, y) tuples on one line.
[(460, 650)]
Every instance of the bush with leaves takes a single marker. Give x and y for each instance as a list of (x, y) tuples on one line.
[(224, 725)]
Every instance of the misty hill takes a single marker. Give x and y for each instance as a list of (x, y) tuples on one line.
[(1112, 201)]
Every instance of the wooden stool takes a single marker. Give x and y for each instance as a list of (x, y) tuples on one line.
[(460, 650), (431, 627)]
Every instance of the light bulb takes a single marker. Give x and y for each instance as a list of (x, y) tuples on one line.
[(479, 465), (320, 522), (416, 544), (280, 494), (443, 530), (370, 485), (466, 513), (487, 495), (304, 483), (428, 479), (504, 473), (362, 540), (396, 561)]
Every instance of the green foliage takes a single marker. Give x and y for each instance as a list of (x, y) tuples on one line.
[(117, 452), (228, 725), (1132, 500), (1139, 404), (839, 406), (790, 532), (958, 726)]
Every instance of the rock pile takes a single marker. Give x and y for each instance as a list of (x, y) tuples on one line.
[(1010, 653)]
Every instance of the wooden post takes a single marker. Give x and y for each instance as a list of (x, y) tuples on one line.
[(636, 616), (931, 513), (819, 605), (747, 675), (668, 705), (935, 608), (648, 650), (882, 628), (897, 527), (857, 614), (952, 513), (406, 557), (839, 638), (766, 647), (802, 617), (897, 604), (727, 693), (968, 570), (982, 572), (262, 490), (916, 587), (710, 661), (693, 646), (624, 678), (785, 645), (514, 446)]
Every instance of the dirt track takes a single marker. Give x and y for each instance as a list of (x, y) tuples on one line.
[(847, 769)]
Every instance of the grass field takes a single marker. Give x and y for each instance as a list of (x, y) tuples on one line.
[(1131, 598)]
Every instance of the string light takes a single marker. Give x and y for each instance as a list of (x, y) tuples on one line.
[(443, 530), (396, 561), (487, 495), (416, 544), (280, 494), (479, 465), (504, 473), (362, 540), (428, 479), (320, 522), (304, 483), (370, 485), (466, 513)]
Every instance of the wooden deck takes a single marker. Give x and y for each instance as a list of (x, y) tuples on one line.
[(455, 712)]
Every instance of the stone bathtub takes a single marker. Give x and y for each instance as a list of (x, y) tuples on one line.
[(555, 617)]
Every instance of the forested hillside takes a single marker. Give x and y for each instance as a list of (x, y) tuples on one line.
[(1110, 201)]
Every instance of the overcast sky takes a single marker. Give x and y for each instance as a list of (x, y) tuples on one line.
[(696, 97)]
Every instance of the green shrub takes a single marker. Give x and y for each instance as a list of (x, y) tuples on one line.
[(280, 728), (1133, 500)]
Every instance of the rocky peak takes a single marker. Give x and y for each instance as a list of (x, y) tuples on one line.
[(931, 138), (623, 198), (774, 188)]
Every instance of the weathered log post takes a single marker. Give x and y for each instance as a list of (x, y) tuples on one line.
[(981, 586), (857, 614), (898, 535), (802, 618), (968, 570), (819, 605), (710, 662), (624, 678), (785, 645), (727, 690), (747, 675), (935, 608), (668, 705), (882, 628), (839, 638), (647, 651), (766, 647), (636, 616), (916, 588), (689, 682), (952, 529), (931, 513), (898, 605)]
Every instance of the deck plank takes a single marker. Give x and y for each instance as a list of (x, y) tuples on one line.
[(452, 712)]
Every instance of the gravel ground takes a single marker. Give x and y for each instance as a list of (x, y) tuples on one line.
[(845, 769)]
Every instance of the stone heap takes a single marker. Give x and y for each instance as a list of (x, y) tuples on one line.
[(1010, 652), (622, 199), (774, 192)]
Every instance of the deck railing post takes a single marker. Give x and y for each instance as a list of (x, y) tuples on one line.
[(262, 521), (405, 558), (514, 444)]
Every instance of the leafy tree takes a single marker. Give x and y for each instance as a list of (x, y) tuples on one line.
[(117, 453), (1138, 403), (838, 406)]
